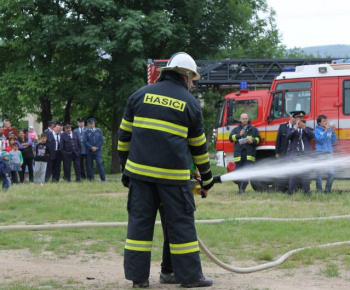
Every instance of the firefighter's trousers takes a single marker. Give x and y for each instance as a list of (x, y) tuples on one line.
[(178, 202)]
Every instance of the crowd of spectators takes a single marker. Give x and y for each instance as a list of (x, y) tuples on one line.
[(26, 157)]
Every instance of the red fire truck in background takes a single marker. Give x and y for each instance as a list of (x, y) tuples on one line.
[(322, 87)]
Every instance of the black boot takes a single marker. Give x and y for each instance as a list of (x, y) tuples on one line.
[(167, 278), (202, 282), (137, 284), (242, 187)]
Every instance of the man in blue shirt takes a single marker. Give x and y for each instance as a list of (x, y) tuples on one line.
[(93, 140), (325, 138)]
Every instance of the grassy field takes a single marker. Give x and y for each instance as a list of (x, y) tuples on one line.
[(245, 243)]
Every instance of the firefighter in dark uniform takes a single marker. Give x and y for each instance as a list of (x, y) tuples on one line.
[(70, 147), (300, 137), (246, 137), (93, 140), (282, 144), (161, 131)]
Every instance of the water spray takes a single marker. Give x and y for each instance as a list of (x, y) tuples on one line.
[(268, 169)]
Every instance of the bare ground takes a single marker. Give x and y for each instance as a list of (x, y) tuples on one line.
[(105, 271)]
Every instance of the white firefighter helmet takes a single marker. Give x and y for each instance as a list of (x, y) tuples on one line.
[(182, 63)]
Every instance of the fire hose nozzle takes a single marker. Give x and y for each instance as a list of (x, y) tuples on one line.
[(217, 179)]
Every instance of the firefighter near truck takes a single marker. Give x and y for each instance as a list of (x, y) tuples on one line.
[(320, 86)]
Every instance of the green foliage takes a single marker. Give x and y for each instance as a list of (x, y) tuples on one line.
[(68, 59)]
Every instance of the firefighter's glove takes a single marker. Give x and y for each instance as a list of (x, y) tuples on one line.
[(217, 179), (125, 180), (207, 181)]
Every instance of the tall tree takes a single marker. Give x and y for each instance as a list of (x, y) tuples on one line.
[(87, 56)]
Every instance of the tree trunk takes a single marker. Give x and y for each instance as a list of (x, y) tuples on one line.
[(46, 114), (67, 109)]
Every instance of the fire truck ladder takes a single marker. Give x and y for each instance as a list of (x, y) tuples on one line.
[(228, 73)]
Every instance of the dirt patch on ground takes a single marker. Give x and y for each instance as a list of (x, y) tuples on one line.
[(105, 271)]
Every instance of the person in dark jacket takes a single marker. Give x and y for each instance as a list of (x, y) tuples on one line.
[(246, 137), (282, 144), (27, 154), (55, 159), (70, 147), (5, 170), (161, 131), (299, 137), (42, 153), (93, 140), (80, 130)]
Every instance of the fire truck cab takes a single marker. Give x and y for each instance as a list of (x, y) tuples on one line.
[(316, 89)]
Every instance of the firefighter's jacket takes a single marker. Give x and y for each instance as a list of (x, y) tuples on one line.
[(251, 133), (161, 132)]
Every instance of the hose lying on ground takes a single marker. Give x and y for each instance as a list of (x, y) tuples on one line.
[(201, 245)]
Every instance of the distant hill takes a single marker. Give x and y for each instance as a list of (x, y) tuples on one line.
[(339, 50)]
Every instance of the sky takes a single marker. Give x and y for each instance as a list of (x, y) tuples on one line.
[(304, 23)]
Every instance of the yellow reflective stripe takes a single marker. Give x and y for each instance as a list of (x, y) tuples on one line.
[(237, 159), (198, 141), (257, 140), (201, 159), (206, 182), (184, 248), (157, 172), (123, 146), (156, 124), (126, 125), (251, 158), (142, 246), (234, 138)]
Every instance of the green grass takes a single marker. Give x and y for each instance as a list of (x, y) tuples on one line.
[(240, 243)]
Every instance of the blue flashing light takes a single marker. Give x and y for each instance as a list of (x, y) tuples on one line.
[(289, 69), (243, 87)]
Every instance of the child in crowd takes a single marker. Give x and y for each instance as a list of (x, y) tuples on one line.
[(42, 154), (16, 163), (11, 141), (33, 135), (5, 170)]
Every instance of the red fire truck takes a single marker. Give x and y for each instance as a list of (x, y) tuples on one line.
[(322, 88)]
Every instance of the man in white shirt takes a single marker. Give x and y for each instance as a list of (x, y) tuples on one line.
[(54, 163)]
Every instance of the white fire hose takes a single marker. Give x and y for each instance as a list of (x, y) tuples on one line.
[(201, 245)]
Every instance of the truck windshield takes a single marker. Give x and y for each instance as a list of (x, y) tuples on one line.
[(290, 100), (238, 107)]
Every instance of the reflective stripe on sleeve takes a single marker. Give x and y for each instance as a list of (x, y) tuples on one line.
[(184, 248), (123, 146), (157, 172), (156, 124), (126, 125), (197, 141), (206, 182), (141, 246), (201, 159)]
